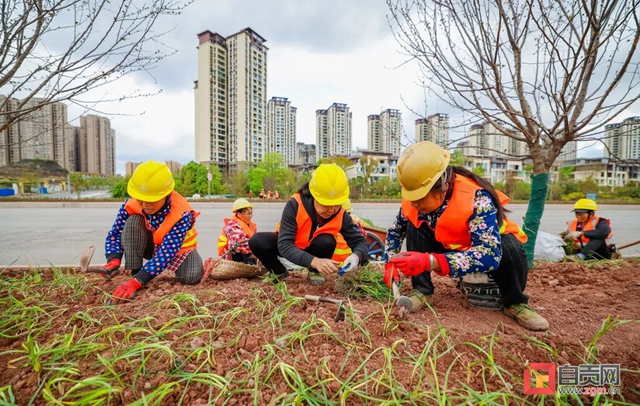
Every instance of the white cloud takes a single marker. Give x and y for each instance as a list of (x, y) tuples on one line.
[(363, 79), (320, 52), (159, 127)]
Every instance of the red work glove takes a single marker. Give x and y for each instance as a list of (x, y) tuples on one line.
[(391, 275), (412, 263), (111, 269), (125, 292)]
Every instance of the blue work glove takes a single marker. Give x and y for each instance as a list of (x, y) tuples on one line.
[(349, 264)]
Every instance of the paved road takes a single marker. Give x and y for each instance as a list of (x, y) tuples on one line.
[(39, 233)]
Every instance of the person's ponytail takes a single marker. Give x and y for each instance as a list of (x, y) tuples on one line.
[(448, 179)]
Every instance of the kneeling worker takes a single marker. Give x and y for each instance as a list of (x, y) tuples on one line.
[(591, 235), (455, 225), (157, 224), (233, 242), (310, 222)]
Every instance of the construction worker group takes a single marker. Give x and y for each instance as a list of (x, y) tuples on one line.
[(452, 221)]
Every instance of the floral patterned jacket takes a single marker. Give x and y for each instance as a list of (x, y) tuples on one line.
[(486, 251)]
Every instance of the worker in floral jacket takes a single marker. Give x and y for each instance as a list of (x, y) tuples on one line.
[(233, 242), (157, 224), (454, 223)]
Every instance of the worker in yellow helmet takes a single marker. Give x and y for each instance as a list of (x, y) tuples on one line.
[(356, 220), (307, 232), (591, 235), (233, 242), (455, 225), (157, 224)]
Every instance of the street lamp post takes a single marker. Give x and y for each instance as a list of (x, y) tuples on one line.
[(209, 177)]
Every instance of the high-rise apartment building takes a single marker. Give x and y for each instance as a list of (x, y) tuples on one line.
[(373, 132), (231, 99), (281, 129), (622, 140), (9, 137), (174, 167), (569, 152), (96, 146), (130, 167), (46, 134), (40, 134), (434, 128), (384, 131), (485, 140), (333, 131), (305, 154), (72, 147)]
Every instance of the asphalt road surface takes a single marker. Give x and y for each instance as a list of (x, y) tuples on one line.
[(41, 233)]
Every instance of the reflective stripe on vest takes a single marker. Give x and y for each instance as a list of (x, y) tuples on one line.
[(222, 244), (342, 250), (179, 206), (590, 226), (249, 230), (452, 228), (304, 234)]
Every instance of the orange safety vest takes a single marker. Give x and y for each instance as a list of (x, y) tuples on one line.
[(343, 250), (249, 229), (591, 225), (452, 228), (304, 236), (179, 206)]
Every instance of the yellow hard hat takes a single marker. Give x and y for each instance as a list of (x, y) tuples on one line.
[(329, 185), (240, 204), (419, 168), (347, 206), (150, 182), (584, 205)]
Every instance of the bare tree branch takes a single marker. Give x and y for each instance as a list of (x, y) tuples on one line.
[(556, 71), (58, 50)]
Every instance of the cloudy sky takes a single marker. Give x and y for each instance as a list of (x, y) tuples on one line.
[(320, 52)]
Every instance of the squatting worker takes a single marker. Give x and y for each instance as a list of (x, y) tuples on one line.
[(157, 224), (233, 242), (591, 234), (454, 223), (307, 232)]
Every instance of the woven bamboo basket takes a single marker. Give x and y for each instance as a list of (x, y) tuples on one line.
[(222, 269)]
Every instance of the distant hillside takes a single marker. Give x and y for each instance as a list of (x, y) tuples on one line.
[(40, 167)]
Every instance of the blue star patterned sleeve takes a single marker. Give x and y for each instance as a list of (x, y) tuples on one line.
[(113, 245), (170, 246), (395, 236), (486, 249)]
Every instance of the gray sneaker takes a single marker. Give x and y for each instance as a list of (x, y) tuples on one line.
[(526, 317), (420, 299), (316, 279)]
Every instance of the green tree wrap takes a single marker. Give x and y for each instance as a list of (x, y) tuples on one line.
[(539, 186)]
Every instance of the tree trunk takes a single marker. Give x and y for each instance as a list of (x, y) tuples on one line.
[(539, 186)]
